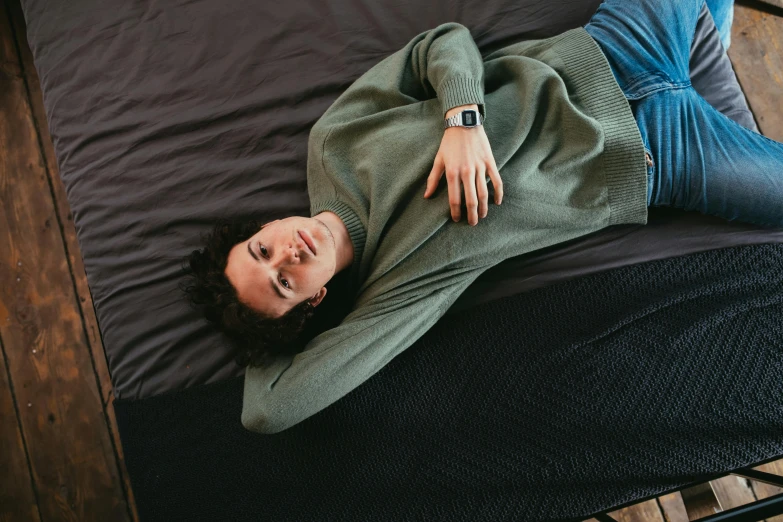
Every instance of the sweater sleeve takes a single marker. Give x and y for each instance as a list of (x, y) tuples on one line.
[(442, 63), (337, 361), (446, 59)]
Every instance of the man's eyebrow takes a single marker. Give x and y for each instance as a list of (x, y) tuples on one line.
[(271, 281)]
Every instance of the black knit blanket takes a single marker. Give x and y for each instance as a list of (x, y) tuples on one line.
[(549, 405)]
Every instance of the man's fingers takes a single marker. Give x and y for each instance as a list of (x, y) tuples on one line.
[(482, 192), (454, 193), (494, 175), (471, 200)]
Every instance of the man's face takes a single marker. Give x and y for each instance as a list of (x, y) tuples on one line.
[(273, 271)]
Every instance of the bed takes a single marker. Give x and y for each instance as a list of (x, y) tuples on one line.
[(607, 369)]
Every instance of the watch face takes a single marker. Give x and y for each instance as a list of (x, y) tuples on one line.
[(469, 118)]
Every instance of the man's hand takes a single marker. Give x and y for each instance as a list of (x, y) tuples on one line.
[(465, 155)]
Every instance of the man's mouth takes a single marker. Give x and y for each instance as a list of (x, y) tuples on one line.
[(307, 241)]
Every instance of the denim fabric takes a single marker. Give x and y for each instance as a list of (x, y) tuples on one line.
[(722, 12), (700, 159)]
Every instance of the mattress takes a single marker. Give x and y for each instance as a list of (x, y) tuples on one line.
[(668, 374), (168, 117)]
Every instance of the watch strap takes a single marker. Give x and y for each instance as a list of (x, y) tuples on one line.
[(456, 120)]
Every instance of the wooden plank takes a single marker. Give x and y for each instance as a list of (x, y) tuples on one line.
[(756, 53), (700, 501), (9, 63), (27, 70), (60, 413), (68, 231), (764, 490), (647, 511), (673, 507), (732, 491), (17, 496)]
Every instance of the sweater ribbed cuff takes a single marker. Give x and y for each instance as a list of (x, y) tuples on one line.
[(624, 163), (462, 91)]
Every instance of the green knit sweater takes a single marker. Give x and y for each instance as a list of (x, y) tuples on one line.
[(569, 153)]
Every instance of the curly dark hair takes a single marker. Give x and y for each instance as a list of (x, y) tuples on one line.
[(257, 337)]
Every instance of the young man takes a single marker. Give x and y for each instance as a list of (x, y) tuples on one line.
[(588, 129)]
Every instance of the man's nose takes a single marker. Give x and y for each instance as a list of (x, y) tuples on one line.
[(289, 253)]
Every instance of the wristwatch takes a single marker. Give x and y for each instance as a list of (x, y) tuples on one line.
[(466, 118)]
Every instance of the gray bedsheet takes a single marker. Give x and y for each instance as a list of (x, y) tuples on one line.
[(168, 116)]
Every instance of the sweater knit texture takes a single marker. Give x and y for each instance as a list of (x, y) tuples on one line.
[(567, 148)]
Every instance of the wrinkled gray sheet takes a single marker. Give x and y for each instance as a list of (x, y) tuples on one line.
[(168, 116)]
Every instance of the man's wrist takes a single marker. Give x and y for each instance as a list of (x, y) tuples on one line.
[(457, 110)]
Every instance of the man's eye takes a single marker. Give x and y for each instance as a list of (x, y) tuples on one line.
[(287, 285)]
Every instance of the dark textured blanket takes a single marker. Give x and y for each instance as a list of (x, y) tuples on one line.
[(557, 403)]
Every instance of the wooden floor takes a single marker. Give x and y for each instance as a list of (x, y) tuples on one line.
[(60, 454)]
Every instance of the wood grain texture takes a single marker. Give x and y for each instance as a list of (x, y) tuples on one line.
[(756, 53), (763, 490), (51, 377), (17, 495), (649, 511), (732, 491), (673, 507), (700, 501), (68, 232), (9, 63)]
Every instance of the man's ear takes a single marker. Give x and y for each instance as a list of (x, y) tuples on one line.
[(316, 300)]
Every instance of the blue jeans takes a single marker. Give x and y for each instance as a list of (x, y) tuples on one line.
[(699, 158), (722, 12)]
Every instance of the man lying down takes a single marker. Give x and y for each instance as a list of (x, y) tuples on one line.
[(565, 135)]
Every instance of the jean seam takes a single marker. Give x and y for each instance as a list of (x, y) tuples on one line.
[(670, 87), (673, 84)]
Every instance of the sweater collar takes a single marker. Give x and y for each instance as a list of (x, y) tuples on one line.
[(356, 231)]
